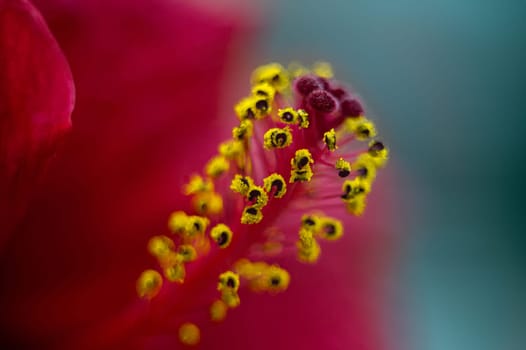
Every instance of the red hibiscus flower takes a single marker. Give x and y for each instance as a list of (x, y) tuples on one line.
[(150, 85)]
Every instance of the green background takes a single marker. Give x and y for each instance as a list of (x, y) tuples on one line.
[(445, 82)]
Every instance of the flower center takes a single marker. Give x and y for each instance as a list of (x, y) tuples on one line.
[(295, 150)]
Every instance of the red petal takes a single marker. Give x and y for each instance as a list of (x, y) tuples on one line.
[(149, 79), (36, 100)]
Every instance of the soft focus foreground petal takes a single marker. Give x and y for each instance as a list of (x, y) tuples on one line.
[(36, 100), (149, 79)]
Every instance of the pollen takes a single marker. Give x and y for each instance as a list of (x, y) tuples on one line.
[(288, 115), (251, 215), (189, 334), (290, 125), (273, 74), (177, 222), (246, 108), (241, 184), (379, 153), (160, 246), (303, 117), (149, 284), (218, 311), (196, 225), (231, 149), (275, 185), (243, 131), (217, 166), (343, 167), (362, 128), (228, 286), (222, 235), (264, 89), (257, 197), (198, 184), (277, 138), (331, 229), (365, 167), (329, 138), (187, 252), (308, 248), (175, 273), (208, 203), (277, 279)]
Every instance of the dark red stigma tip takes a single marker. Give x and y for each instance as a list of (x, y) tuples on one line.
[(322, 101), (351, 108), (306, 84)]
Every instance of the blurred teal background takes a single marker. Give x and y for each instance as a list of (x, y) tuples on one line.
[(445, 82)]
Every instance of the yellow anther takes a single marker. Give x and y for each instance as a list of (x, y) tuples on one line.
[(241, 184), (243, 131), (296, 69), (362, 128), (273, 74), (257, 197), (228, 280), (263, 106), (277, 279), (231, 149), (356, 206), (331, 229), (246, 108), (277, 138), (217, 166), (250, 270), (222, 235), (323, 70), (196, 225), (303, 175), (264, 89), (379, 153), (189, 334), (218, 311), (355, 188), (302, 159), (251, 215), (187, 252), (308, 248), (365, 167), (311, 222), (208, 203), (230, 298), (160, 246), (175, 273), (343, 167), (288, 115), (275, 185), (198, 184), (301, 170), (149, 284), (177, 222), (303, 117), (329, 138)]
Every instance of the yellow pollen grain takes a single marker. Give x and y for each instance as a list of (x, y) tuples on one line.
[(149, 284), (189, 334), (218, 311)]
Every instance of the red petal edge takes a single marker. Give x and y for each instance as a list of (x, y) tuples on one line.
[(36, 101)]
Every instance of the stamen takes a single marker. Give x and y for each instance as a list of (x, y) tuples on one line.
[(300, 122), (189, 334), (277, 138), (222, 235)]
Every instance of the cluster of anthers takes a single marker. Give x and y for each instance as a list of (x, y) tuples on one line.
[(295, 146)]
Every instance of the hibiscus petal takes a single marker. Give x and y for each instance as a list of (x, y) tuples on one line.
[(36, 100)]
